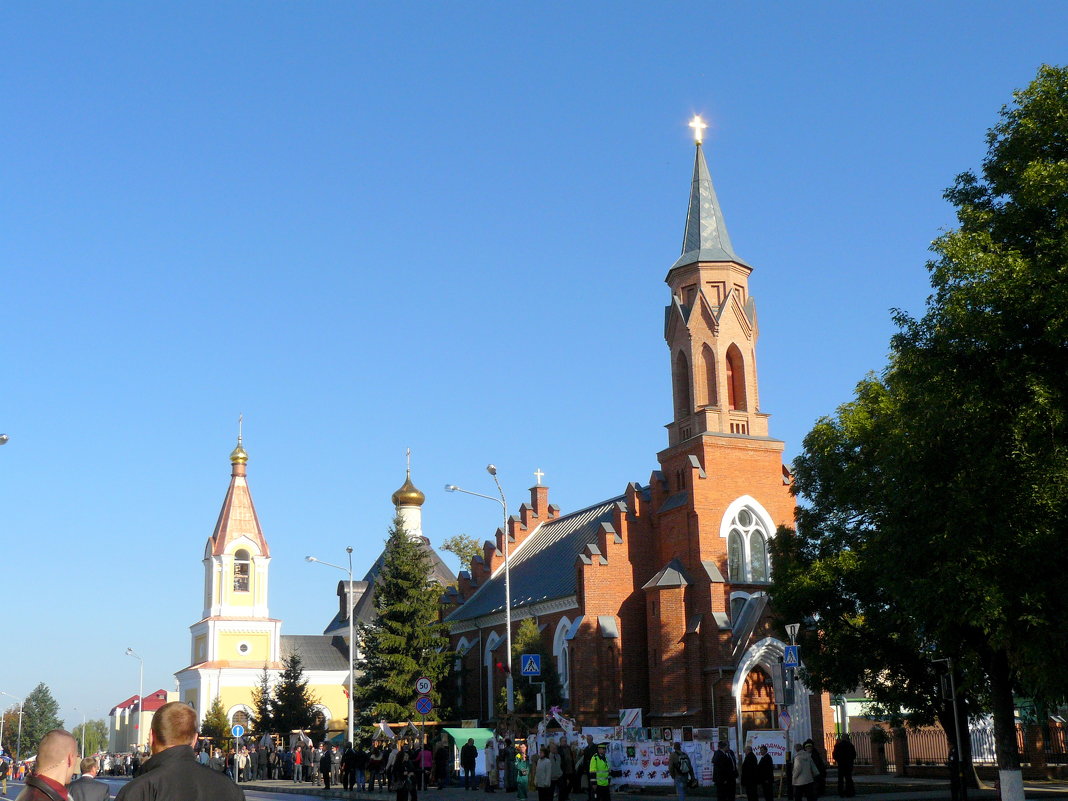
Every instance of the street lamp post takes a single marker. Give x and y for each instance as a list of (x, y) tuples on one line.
[(18, 743), (140, 694), (352, 639), (83, 731), (510, 693)]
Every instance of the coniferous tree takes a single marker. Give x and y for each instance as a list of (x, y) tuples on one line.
[(407, 639), (263, 714), (293, 704), (40, 714), (215, 725)]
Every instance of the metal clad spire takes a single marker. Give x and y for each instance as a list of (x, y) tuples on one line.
[(706, 237)]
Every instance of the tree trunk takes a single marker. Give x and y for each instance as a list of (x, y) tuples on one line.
[(1008, 754), (964, 748)]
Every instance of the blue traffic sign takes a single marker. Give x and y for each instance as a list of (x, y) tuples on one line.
[(423, 705), (530, 665), (789, 656), (238, 730)]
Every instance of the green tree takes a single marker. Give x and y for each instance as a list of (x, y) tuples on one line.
[(11, 723), (216, 725), (262, 715), (96, 736), (526, 639), (945, 484), (293, 704), (407, 638), (40, 714), (464, 547)]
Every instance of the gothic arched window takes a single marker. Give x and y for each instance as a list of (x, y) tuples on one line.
[(709, 359), (758, 557), (747, 548), (242, 571), (682, 386), (735, 379), (735, 556)]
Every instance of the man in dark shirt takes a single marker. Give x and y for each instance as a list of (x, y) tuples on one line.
[(87, 788), (172, 773), (724, 772), (468, 758), (845, 755)]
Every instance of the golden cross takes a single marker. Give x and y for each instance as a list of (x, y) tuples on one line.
[(698, 126)]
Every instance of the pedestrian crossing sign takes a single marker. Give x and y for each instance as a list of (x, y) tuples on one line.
[(530, 665), (790, 658)]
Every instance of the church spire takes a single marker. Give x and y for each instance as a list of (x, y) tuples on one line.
[(706, 237), (238, 519)]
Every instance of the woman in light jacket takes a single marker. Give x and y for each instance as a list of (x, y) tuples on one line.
[(543, 775), (804, 774)]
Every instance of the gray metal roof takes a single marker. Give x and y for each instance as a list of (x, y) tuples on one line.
[(543, 568), (318, 651), (673, 574), (706, 237)]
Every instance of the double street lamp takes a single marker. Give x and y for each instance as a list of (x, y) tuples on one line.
[(18, 745), (352, 639), (140, 694), (507, 578)]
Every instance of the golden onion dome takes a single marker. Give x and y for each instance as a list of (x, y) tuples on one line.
[(238, 454), (408, 495)]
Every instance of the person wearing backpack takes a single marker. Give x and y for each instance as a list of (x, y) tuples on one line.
[(681, 770)]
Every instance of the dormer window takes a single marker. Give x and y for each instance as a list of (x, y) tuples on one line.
[(242, 570)]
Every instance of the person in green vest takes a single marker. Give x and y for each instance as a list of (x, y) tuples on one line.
[(522, 772), (599, 773)]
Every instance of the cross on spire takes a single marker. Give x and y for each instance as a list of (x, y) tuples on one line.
[(409, 467), (539, 475), (240, 421), (698, 126)]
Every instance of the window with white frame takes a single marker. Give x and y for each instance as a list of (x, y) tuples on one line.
[(563, 656), (747, 548)]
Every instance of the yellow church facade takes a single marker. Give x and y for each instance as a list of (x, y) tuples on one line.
[(236, 637)]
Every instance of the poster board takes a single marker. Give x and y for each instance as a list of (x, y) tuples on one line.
[(774, 739)]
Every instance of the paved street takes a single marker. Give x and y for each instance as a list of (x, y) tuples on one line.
[(871, 788)]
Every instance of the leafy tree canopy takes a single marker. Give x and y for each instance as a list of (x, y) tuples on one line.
[(935, 500), (96, 736), (526, 639), (464, 547)]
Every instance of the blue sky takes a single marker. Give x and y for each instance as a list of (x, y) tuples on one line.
[(440, 226)]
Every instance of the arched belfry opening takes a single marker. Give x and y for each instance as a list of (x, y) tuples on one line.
[(708, 357), (735, 379), (683, 406)]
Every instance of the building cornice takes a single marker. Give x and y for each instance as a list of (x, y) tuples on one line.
[(529, 610)]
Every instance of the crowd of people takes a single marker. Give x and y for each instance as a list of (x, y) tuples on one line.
[(554, 771)]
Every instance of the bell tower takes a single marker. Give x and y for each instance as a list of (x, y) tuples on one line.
[(710, 324), (235, 631)]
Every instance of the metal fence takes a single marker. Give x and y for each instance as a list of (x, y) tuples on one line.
[(883, 748)]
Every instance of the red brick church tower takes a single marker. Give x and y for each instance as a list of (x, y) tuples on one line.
[(656, 599)]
